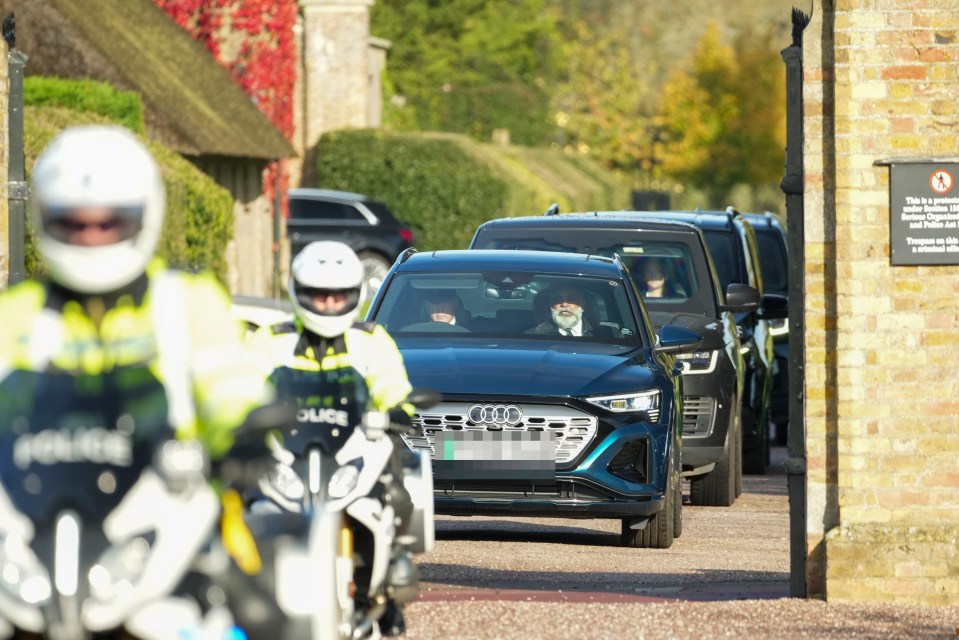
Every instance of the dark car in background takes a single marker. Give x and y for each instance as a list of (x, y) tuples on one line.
[(734, 249), (713, 375), (364, 224), (533, 423), (774, 258)]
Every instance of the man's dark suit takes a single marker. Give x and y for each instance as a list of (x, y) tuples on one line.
[(548, 328)]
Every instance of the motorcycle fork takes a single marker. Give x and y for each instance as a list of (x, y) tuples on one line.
[(346, 585)]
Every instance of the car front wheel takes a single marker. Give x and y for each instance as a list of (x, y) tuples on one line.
[(376, 267), (659, 530)]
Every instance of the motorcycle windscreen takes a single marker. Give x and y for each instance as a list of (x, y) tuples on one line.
[(329, 405), (78, 441)]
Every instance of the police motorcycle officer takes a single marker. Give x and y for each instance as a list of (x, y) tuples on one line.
[(119, 378), (333, 368)]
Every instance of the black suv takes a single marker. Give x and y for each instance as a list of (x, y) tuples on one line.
[(533, 422), (712, 376), (734, 248), (364, 224), (774, 257)]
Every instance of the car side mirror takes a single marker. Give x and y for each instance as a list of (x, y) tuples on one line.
[(774, 307), (676, 339), (741, 298)]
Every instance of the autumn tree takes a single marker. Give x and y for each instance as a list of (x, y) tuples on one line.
[(605, 104), (722, 117)]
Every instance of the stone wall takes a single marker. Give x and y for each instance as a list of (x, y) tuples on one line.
[(882, 392), (336, 66)]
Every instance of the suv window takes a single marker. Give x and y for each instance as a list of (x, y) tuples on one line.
[(323, 210), (772, 255), (507, 303), (682, 264)]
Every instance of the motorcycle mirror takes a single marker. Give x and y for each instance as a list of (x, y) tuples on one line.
[(424, 398)]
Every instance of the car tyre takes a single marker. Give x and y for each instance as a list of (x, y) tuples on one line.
[(658, 532), (678, 510), (754, 459), (739, 455), (718, 487), (376, 267)]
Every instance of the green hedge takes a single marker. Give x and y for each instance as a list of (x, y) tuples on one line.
[(430, 184), (121, 107), (445, 185), (199, 216)]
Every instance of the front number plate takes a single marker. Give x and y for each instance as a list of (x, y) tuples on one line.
[(495, 455)]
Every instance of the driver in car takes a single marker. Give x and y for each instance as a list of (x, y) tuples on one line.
[(565, 314), (443, 305)]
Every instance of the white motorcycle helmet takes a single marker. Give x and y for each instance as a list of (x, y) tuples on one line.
[(102, 167), (327, 266)]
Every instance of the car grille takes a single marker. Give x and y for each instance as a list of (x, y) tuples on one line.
[(698, 412), (573, 430)]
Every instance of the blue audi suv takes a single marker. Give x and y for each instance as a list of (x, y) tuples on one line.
[(534, 422)]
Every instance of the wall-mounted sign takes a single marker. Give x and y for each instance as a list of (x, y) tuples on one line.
[(924, 213)]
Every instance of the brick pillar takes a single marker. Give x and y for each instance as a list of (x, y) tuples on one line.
[(336, 61), (881, 340)]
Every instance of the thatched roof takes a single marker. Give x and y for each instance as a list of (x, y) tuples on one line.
[(192, 103)]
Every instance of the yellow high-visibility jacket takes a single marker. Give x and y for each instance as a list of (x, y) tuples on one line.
[(366, 349), (173, 324)]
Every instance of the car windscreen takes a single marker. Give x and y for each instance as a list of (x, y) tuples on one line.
[(510, 304), (772, 257), (687, 286)]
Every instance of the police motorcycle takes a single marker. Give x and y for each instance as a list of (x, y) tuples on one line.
[(339, 515), (103, 513)]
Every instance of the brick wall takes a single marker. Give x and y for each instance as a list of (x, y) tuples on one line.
[(882, 388), (4, 165)]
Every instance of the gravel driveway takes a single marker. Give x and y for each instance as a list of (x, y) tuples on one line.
[(727, 576)]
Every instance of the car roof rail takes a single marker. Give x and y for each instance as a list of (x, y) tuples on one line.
[(406, 254), (552, 210)]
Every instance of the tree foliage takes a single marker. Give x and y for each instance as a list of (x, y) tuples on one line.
[(470, 66), (723, 118), (605, 102)]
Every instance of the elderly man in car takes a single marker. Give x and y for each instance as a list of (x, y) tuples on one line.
[(565, 314)]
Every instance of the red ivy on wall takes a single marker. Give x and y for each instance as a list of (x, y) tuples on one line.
[(254, 40)]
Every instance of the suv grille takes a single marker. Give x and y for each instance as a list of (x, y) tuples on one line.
[(698, 414), (573, 429)]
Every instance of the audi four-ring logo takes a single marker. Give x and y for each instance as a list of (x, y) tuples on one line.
[(503, 415)]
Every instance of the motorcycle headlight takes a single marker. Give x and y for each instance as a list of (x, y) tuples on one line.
[(22, 574), (698, 361), (344, 480), (118, 569), (644, 401), (286, 482)]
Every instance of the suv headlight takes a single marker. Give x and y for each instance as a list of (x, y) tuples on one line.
[(698, 361), (778, 327), (644, 401)]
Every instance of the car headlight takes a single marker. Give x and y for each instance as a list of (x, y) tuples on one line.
[(698, 361), (644, 401), (779, 327), (284, 479), (344, 479), (22, 574), (118, 569)]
